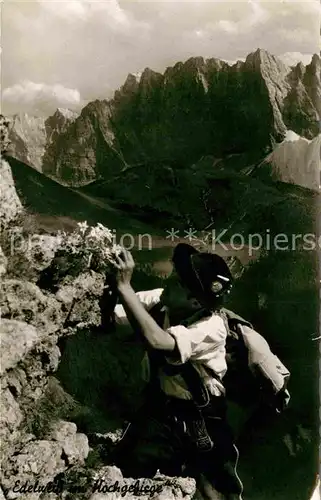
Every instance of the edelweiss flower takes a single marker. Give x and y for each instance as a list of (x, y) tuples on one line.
[(101, 233), (73, 242), (94, 244), (82, 226)]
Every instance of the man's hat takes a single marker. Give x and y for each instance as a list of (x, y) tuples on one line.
[(204, 273)]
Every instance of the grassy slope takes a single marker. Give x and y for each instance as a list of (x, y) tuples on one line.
[(56, 206), (247, 199)]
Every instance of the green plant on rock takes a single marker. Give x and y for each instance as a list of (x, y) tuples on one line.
[(54, 405)]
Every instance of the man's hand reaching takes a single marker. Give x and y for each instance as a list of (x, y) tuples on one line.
[(124, 265), (156, 337)]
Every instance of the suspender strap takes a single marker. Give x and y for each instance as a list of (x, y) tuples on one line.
[(189, 373), (233, 318)]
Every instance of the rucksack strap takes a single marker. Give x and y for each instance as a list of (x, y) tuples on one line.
[(186, 370), (233, 319)]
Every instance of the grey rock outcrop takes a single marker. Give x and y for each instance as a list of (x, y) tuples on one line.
[(17, 339), (3, 263), (85, 142), (75, 445), (24, 301), (4, 134), (10, 205), (312, 81), (28, 139), (29, 356), (274, 74), (80, 296)]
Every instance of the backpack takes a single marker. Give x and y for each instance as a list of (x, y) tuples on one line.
[(254, 374)]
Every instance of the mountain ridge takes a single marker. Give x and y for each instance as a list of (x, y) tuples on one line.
[(53, 206), (193, 108)]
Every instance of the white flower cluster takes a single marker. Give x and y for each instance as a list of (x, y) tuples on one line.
[(90, 242)]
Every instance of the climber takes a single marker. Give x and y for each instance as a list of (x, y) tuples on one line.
[(181, 323), (188, 337)]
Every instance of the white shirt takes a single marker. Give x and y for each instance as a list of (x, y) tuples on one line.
[(202, 342)]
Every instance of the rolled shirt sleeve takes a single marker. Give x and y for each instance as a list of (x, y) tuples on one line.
[(203, 343), (148, 298), (262, 358)]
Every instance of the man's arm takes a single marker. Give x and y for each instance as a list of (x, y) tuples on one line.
[(155, 336), (202, 342), (148, 299), (124, 316)]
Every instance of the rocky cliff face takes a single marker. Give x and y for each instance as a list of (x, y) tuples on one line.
[(200, 107), (31, 136), (28, 139), (85, 142), (10, 205), (43, 455), (41, 447)]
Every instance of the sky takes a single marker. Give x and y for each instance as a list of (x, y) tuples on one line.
[(66, 53)]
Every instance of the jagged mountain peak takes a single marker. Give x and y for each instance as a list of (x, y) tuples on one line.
[(262, 55), (131, 82), (129, 87), (60, 117), (173, 70), (215, 63), (136, 81), (26, 118), (93, 105), (316, 60), (261, 58), (93, 109), (148, 72), (238, 65), (66, 113), (149, 77), (193, 109), (299, 70), (195, 63)]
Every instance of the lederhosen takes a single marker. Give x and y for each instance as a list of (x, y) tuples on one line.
[(180, 420)]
